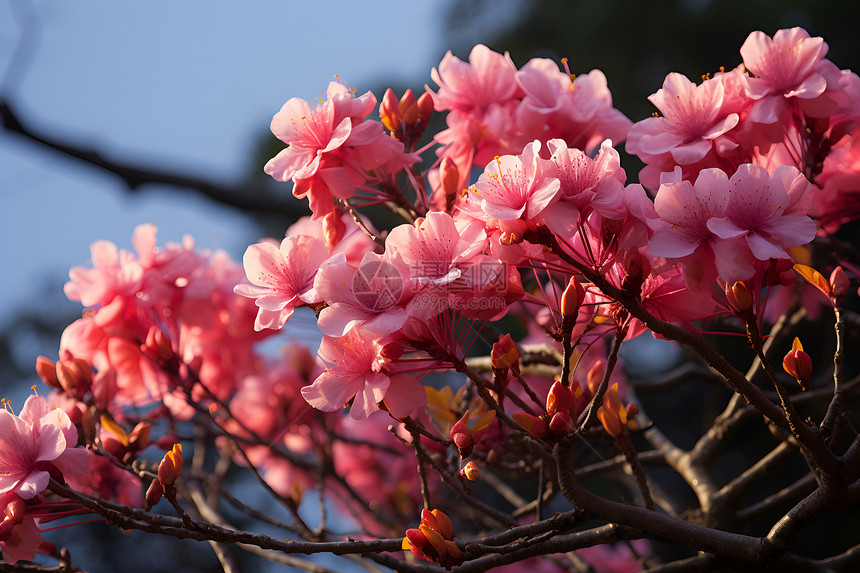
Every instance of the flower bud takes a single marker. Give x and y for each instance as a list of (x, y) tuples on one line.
[(513, 231), (739, 296), (839, 284), (170, 466), (470, 471), (409, 108), (153, 494), (15, 510), (47, 371), (139, 436), (504, 354), (798, 364), (560, 422), (425, 108), (460, 436), (75, 376), (389, 112), (560, 399), (572, 298), (450, 176)]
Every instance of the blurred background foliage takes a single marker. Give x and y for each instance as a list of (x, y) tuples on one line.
[(634, 43)]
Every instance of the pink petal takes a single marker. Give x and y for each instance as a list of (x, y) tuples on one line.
[(405, 396)]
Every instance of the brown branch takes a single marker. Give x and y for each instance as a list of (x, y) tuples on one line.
[(248, 198)]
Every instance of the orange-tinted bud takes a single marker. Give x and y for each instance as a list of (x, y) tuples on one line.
[(15, 510), (798, 364), (75, 376), (171, 465), (460, 436), (153, 494), (443, 523), (47, 371), (409, 108), (504, 353), (389, 112), (572, 298), (139, 436), (560, 399), (612, 414), (470, 471), (739, 296), (839, 284), (450, 176), (425, 108), (416, 538)]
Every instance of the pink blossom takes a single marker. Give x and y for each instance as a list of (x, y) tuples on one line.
[(355, 370), (282, 278), (517, 187), (768, 211), (585, 185), (576, 109), (34, 443), (331, 148), (682, 233), (473, 87), (445, 262), (372, 296), (791, 65), (692, 130)]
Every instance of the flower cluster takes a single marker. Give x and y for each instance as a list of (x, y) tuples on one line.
[(547, 259)]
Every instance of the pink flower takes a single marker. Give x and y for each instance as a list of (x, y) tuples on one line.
[(517, 187), (682, 231), (768, 211), (355, 370), (576, 109), (373, 296), (282, 278), (791, 65), (473, 87), (586, 185), (449, 265), (33, 444), (693, 127), (331, 148)]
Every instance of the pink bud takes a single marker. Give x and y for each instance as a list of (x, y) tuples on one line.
[(389, 111), (460, 436), (450, 176), (47, 371), (409, 108), (560, 399), (739, 296), (504, 353), (572, 298), (839, 284), (798, 364)]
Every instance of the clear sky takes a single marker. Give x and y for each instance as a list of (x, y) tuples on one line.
[(183, 85)]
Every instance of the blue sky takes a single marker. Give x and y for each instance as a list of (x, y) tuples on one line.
[(182, 85)]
